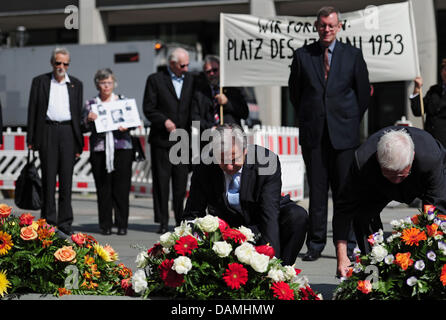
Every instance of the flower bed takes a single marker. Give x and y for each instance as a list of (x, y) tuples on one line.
[(206, 259), (410, 264), (34, 259)]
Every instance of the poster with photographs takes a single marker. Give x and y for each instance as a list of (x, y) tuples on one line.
[(115, 114)]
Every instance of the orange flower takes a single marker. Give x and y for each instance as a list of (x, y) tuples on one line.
[(28, 233), (443, 275), (403, 260), (364, 286), (432, 230), (415, 219), (5, 210), (5, 243), (413, 236), (47, 243), (66, 254), (350, 272), (64, 291), (88, 260), (428, 208)]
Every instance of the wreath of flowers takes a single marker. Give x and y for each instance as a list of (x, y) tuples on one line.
[(207, 259)]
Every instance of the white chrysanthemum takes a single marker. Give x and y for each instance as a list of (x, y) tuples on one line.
[(378, 253), (208, 223), (412, 281), (168, 239), (247, 232), (141, 259), (276, 275), (389, 259), (184, 229), (222, 248), (419, 265), (301, 281), (182, 265), (395, 223), (244, 252), (290, 272), (139, 282), (259, 262)]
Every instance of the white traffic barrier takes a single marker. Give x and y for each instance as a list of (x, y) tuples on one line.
[(284, 141)]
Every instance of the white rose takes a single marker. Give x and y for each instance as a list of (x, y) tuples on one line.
[(208, 223), (141, 259), (139, 282), (389, 259), (244, 252), (276, 274), (183, 230), (247, 232), (222, 248), (182, 265), (301, 281), (259, 262), (412, 281), (167, 240)]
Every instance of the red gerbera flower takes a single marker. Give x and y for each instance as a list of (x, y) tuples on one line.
[(233, 234), (169, 276), (185, 245), (235, 275), (282, 291)]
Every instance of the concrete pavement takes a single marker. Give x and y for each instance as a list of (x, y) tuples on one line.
[(142, 234)]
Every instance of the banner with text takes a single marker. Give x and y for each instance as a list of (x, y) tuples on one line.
[(258, 51)]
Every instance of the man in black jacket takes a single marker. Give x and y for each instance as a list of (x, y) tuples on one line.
[(393, 164), (208, 98), (166, 104), (54, 117), (330, 90), (243, 187)]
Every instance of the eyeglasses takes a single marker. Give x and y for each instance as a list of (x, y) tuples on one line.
[(396, 175), (324, 26), (103, 83), (182, 66), (213, 70), (58, 63)]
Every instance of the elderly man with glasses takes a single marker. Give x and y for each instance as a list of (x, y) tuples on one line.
[(54, 117), (394, 163), (166, 104)]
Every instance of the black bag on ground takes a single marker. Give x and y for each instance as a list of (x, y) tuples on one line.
[(28, 188), (138, 152)]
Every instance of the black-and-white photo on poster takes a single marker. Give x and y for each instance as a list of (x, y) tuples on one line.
[(115, 114)]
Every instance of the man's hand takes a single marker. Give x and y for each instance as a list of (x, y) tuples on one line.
[(418, 82), (92, 116), (343, 260), (170, 126), (221, 99)]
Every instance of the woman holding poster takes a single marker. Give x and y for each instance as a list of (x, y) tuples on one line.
[(110, 157)]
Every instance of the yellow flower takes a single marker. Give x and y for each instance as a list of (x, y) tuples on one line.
[(102, 252), (5, 243), (35, 225), (4, 283), (112, 253)]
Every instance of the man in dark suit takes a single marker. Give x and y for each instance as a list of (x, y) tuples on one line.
[(54, 117), (393, 164), (243, 187), (330, 90), (208, 99), (166, 104)]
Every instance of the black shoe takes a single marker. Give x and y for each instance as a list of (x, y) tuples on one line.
[(311, 256), (162, 229), (66, 231), (122, 231), (106, 231)]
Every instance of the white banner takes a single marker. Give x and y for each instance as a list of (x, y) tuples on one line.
[(258, 51)]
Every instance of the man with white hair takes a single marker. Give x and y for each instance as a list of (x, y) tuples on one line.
[(54, 117), (394, 163), (166, 104), (242, 186)]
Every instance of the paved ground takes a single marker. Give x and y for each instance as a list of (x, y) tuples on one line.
[(142, 233)]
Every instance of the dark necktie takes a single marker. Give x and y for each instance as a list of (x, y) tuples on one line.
[(326, 63)]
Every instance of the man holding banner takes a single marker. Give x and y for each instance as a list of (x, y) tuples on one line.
[(330, 90)]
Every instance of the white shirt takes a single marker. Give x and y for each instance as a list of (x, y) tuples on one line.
[(228, 179), (59, 101)]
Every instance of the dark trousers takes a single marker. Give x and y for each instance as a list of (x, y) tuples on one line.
[(113, 189), (57, 156), (367, 222), (293, 222), (325, 167), (162, 172)]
